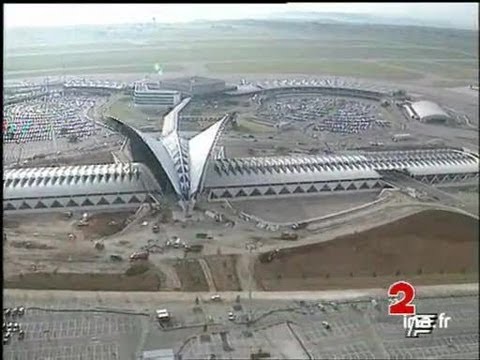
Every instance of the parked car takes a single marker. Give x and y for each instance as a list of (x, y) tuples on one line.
[(20, 310)]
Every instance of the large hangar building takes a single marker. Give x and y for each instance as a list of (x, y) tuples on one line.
[(427, 111)]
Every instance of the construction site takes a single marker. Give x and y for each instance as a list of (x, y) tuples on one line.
[(227, 208)]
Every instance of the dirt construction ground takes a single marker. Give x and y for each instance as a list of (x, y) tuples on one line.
[(431, 247)]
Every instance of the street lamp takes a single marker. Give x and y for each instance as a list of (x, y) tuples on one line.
[(250, 248)]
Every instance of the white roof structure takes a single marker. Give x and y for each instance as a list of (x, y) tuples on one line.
[(32, 183), (305, 169), (428, 111), (170, 121), (160, 354), (183, 161)]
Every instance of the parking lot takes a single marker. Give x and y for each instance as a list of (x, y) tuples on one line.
[(284, 329), (74, 335), (323, 113), (358, 331)]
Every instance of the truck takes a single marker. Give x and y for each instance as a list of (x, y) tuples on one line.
[(203, 236), (402, 137), (194, 248), (139, 255), (269, 256), (116, 257), (162, 315), (286, 235)]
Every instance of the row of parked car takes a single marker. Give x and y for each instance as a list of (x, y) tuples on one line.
[(11, 328)]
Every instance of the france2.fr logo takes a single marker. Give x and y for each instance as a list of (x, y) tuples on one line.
[(404, 305), (414, 324)]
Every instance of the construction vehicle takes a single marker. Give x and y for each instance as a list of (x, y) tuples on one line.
[(326, 325), (286, 235), (139, 255), (82, 223), (115, 257), (203, 236), (153, 248), (176, 243), (194, 248), (269, 256)]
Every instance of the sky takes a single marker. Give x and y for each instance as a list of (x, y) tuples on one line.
[(463, 15)]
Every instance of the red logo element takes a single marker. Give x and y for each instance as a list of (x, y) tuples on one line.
[(401, 306)]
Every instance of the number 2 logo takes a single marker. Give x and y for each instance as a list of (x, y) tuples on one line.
[(402, 306)]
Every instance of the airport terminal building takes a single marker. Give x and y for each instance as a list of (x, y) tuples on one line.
[(184, 169), (170, 166), (151, 94)]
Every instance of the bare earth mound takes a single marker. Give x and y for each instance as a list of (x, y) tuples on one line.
[(92, 282), (224, 273), (105, 224), (191, 275), (432, 247)]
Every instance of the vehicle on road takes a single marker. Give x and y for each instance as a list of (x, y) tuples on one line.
[(216, 298), (162, 315), (139, 255)]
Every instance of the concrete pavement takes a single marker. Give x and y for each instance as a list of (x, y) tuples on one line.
[(140, 300)]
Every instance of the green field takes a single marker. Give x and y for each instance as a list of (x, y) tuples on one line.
[(147, 57), (246, 47), (123, 108), (338, 68), (91, 69), (449, 69), (247, 126)]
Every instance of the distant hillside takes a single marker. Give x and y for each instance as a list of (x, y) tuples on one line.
[(333, 17)]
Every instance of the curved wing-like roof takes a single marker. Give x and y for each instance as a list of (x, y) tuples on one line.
[(178, 150), (170, 121), (427, 109), (159, 153), (78, 180), (183, 161), (164, 158), (200, 148)]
